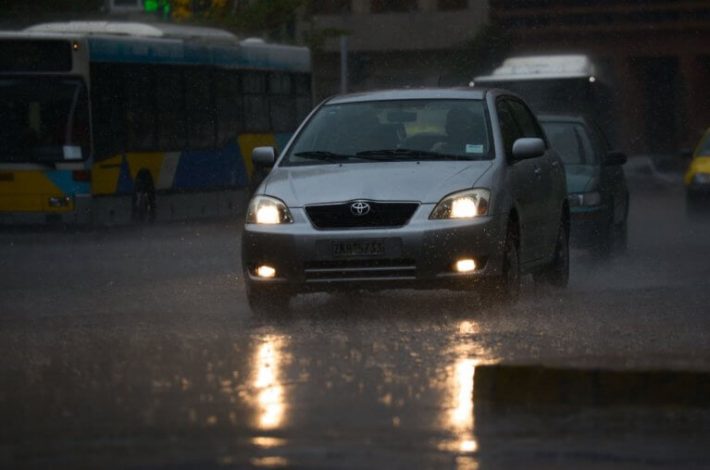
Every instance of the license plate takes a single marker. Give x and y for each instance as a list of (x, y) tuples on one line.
[(360, 248)]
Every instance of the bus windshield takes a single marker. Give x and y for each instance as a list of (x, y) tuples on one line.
[(43, 120)]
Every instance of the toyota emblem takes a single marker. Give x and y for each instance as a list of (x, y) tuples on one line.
[(359, 208)]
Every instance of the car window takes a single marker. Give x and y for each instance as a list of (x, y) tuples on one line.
[(526, 120), (508, 127)]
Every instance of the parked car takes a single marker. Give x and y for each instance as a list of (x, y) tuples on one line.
[(598, 194), (697, 177), (422, 188)]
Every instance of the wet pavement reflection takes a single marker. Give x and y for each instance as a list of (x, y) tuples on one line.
[(165, 366), (267, 364)]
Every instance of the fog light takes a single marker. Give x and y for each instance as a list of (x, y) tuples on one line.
[(265, 271), (465, 265)]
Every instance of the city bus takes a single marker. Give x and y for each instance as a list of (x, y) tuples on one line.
[(558, 84), (107, 122)]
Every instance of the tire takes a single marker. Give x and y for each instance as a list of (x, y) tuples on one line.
[(556, 274), (622, 237), (143, 207), (622, 231), (505, 288), (267, 301), (605, 243)]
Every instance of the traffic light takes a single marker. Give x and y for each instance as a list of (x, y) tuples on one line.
[(161, 7)]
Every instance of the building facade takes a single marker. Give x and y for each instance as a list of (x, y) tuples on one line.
[(390, 43), (655, 54)]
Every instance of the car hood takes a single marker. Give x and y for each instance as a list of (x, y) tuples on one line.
[(426, 182), (581, 178)]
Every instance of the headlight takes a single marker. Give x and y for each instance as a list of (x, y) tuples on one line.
[(585, 199), (463, 205), (701, 178), (268, 210)]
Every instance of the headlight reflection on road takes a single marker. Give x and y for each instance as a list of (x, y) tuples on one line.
[(462, 413), (267, 382), (459, 419)]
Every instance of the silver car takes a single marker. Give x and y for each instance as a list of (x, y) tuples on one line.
[(416, 188)]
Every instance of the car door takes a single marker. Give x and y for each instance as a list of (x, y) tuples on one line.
[(549, 172), (526, 185), (612, 180)]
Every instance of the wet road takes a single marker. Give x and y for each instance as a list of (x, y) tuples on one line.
[(134, 347)]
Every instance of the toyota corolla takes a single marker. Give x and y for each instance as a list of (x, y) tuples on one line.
[(425, 188)]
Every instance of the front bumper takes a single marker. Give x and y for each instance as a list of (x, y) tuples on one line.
[(418, 255)]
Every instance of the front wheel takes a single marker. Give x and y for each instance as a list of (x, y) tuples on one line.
[(556, 273), (143, 204), (506, 286), (622, 236)]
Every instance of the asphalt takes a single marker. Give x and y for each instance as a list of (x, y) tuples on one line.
[(133, 347)]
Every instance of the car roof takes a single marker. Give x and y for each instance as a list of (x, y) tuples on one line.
[(411, 94)]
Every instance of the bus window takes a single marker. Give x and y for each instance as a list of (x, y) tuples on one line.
[(304, 100), (169, 95), (199, 108), (140, 108), (229, 105), (256, 106), (108, 110), (282, 107)]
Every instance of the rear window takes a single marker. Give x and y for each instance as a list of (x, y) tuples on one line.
[(571, 142)]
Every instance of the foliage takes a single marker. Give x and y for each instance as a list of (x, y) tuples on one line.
[(271, 18)]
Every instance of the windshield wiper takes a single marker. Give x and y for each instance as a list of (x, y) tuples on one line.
[(408, 154), (323, 155)]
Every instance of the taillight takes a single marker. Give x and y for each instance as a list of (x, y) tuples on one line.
[(81, 175)]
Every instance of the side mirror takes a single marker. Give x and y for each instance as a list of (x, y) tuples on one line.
[(528, 147), (615, 158), (263, 157)]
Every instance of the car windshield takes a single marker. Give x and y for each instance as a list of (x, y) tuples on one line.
[(394, 131), (572, 142), (44, 120)]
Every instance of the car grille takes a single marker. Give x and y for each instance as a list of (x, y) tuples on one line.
[(360, 270), (381, 215)]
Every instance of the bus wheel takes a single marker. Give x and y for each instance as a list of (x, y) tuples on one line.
[(143, 208)]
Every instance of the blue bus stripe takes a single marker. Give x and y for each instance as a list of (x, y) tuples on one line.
[(64, 180)]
